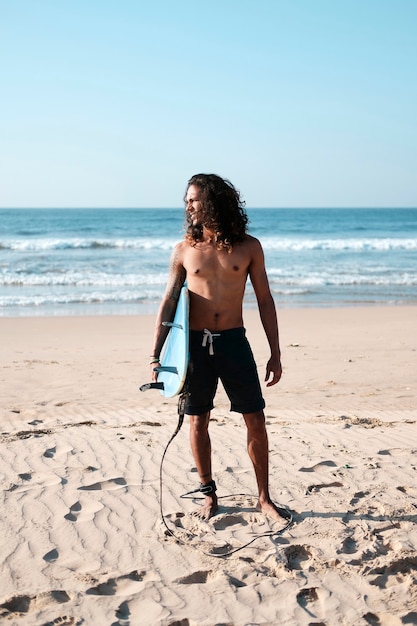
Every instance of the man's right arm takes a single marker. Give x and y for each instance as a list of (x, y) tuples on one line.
[(169, 302)]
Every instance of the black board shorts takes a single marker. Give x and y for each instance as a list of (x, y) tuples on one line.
[(232, 362)]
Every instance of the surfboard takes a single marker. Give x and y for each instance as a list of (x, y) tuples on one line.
[(174, 357)]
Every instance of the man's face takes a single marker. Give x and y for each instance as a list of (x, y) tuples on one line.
[(193, 204)]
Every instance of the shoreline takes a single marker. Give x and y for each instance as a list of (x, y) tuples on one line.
[(152, 309), (248, 306)]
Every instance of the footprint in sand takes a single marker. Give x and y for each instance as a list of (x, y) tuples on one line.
[(236, 469), (358, 496), (150, 611), (314, 488), (51, 556), (296, 556), (374, 620), (41, 481), (307, 596), (20, 605), (62, 450), (15, 486), (50, 453), (123, 585), (198, 578), (397, 572), (25, 476), (318, 466), (112, 483), (409, 491), (396, 451), (123, 614), (226, 521), (73, 512), (78, 513), (311, 600), (349, 546)]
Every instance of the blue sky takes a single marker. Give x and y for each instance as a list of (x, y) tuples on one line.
[(298, 102)]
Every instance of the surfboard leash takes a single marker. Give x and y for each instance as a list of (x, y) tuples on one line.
[(271, 533), (181, 413)]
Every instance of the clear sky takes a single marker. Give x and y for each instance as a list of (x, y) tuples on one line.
[(116, 103)]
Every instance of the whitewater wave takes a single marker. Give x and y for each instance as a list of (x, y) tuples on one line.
[(81, 279), (341, 279), (277, 278), (269, 243), (344, 245), (47, 244), (74, 298)]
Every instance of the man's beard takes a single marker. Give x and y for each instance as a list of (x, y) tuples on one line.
[(196, 231)]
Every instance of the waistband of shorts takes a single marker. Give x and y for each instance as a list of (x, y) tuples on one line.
[(240, 330)]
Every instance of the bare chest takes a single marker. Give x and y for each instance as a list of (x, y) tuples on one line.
[(207, 262)]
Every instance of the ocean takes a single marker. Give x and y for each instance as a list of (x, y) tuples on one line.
[(115, 261)]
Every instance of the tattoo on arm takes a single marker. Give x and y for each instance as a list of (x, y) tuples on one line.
[(177, 278)]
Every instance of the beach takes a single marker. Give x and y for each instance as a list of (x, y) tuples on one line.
[(83, 539)]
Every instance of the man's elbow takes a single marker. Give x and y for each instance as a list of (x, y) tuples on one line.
[(266, 301)]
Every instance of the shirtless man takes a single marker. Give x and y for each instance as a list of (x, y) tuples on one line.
[(216, 258)]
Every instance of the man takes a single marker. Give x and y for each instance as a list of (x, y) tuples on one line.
[(216, 258)]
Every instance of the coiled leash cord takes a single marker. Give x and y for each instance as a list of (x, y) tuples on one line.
[(207, 489)]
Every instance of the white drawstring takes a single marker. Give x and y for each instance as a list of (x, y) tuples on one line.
[(208, 336)]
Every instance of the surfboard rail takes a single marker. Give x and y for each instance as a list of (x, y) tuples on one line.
[(174, 358)]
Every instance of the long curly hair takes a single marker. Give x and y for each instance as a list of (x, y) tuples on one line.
[(221, 209)]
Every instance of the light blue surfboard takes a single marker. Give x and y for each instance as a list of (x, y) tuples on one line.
[(174, 356)]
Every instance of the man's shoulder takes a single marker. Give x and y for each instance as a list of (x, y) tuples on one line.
[(251, 242), (251, 239), (182, 245)]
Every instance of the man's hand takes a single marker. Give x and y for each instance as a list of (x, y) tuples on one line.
[(154, 375), (274, 368)]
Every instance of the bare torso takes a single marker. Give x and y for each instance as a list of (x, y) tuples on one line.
[(216, 282)]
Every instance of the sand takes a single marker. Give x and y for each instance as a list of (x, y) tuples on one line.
[(82, 536)]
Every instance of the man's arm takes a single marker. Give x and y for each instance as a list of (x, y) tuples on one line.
[(267, 311), (169, 302)]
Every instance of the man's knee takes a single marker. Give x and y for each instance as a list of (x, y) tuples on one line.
[(200, 422), (258, 416), (255, 422)]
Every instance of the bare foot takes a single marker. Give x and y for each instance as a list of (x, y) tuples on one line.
[(274, 512), (208, 509)]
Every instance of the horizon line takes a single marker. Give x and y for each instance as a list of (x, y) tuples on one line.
[(150, 208)]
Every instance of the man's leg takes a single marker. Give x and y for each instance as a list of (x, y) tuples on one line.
[(259, 455), (201, 449)]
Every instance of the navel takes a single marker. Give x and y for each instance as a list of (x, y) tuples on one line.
[(196, 271), (235, 268)]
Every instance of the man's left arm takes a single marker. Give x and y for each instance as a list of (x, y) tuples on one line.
[(267, 311)]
